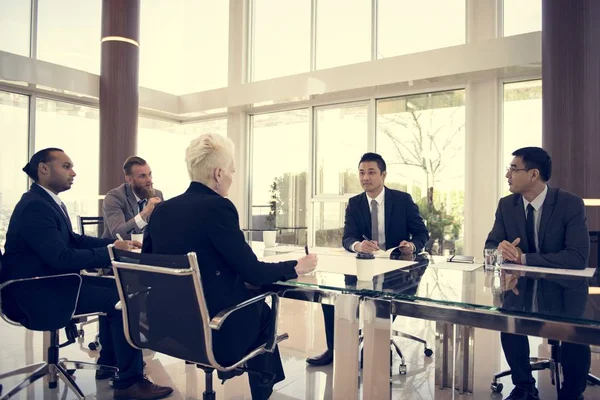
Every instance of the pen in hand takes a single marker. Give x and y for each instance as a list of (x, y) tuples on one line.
[(306, 249), (119, 237)]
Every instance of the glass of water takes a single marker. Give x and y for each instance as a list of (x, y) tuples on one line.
[(492, 259)]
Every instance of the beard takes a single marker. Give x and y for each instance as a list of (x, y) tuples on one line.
[(144, 192)]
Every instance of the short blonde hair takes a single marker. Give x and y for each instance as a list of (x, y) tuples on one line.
[(207, 152)]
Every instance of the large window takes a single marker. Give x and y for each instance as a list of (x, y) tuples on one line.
[(15, 17), (406, 27), (422, 139), (328, 222), (14, 121), (184, 45), (280, 158), (522, 120), (74, 129), (281, 38), (341, 136), (69, 33), (522, 16), (343, 32), (162, 144)]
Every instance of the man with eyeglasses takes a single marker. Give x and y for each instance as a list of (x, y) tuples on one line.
[(541, 226)]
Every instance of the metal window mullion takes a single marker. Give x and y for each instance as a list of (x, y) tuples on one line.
[(31, 131), (33, 29), (313, 35), (372, 125), (249, 168), (374, 29), (250, 41), (312, 177)]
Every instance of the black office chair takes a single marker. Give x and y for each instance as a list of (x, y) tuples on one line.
[(95, 226), (540, 364), (164, 310), (18, 307)]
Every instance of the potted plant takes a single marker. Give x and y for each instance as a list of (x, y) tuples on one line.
[(270, 234)]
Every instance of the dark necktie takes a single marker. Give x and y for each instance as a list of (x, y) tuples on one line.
[(64, 208), (530, 285), (530, 229), (374, 221), (141, 204)]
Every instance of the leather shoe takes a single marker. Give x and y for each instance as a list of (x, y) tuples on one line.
[(523, 393), (323, 359), (564, 396), (143, 389), (102, 374)]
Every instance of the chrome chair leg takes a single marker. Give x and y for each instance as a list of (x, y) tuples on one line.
[(85, 365), (36, 371), (64, 376)]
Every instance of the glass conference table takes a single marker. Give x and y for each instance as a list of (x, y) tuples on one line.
[(554, 306)]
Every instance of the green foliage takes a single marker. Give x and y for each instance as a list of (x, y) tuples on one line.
[(440, 223), (272, 217)]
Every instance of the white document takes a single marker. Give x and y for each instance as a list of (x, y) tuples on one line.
[(456, 266), (344, 265), (584, 273), (384, 254)]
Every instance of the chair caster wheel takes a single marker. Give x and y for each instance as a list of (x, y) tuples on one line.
[(428, 352), (93, 345), (496, 387), (53, 385), (402, 370)]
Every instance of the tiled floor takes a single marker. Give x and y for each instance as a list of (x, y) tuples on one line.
[(303, 322)]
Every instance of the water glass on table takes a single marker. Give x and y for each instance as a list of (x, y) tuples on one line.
[(492, 259)]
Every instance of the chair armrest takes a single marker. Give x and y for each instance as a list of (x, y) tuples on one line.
[(7, 283), (220, 318), (98, 274)]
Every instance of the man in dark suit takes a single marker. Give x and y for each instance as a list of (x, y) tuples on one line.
[(542, 226), (40, 242), (388, 218), (127, 208)]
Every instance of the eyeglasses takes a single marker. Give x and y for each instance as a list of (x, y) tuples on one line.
[(512, 169)]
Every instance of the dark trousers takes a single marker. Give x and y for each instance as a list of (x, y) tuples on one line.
[(269, 363), (329, 318), (575, 361), (100, 295)]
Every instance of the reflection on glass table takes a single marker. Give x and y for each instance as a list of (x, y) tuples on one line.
[(536, 295)]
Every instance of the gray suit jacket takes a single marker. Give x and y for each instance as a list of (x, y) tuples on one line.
[(563, 235), (120, 208)]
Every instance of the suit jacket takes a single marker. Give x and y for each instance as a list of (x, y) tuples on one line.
[(563, 235), (40, 243), (202, 221), (120, 208), (402, 220)]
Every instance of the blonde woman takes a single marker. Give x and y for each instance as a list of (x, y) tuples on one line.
[(203, 220)]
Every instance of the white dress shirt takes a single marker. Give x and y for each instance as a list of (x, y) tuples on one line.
[(54, 197), (138, 218), (537, 205), (380, 199)]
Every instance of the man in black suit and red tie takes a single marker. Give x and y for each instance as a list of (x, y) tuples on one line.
[(40, 242), (542, 226), (387, 217)]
